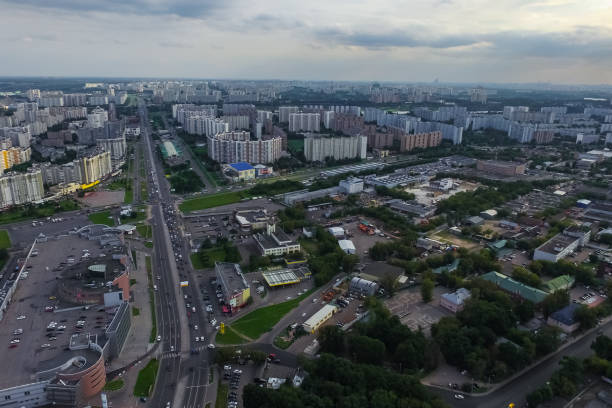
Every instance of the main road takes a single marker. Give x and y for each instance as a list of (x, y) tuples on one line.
[(184, 370)]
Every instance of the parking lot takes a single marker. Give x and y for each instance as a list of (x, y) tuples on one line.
[(44, 325), (415, 314)]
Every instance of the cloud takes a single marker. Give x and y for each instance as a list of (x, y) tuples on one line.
[(174, 44), (181, 8), (394, 38)]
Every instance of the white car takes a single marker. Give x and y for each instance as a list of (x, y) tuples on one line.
[(17, 332), (21, 317), (15, 341), (158, 338), (195, 327), (459, 396), (46, 345), (211, 346)]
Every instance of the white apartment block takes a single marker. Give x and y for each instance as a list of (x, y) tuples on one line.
[(236, 122), (318, 147), (304, 122), (21, 188), (117, 147), (95, 100), (51, 100), (284, 112), (205, 125), (263, 115), (232, 147), (328, 119), (97, 118)]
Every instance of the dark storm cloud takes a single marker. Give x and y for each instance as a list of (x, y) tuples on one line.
[(182, 8)]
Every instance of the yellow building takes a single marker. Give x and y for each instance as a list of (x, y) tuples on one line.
[(243, 171)]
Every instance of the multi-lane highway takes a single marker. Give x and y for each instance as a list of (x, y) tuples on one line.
[(184, 368)]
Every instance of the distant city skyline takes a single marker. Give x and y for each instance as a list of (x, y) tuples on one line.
[(467, 41)]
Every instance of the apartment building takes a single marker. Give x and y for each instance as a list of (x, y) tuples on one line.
[(232, 147), (21, 188), (304, 122), (97, 118), (318, 147), (284, 112), (95, 167), (409, 142), (12, 156)]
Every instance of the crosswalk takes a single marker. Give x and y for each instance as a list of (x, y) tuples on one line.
[(175, 354)]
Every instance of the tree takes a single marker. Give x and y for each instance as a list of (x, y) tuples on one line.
[(586, 316), (348, 262), (331, 339), (525, 310), (389, 283), (528, 278), (547, 340), (366, 350), (427, 290), (555, 301), (603, 347)]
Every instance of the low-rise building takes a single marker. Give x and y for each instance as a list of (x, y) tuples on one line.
[(347, 246), (236, 290), (564, 319), (275, 243), (316, 320), (515, 288), (455, 302), (241, 171), (563, 282), (251, 220), (561, 245), (362, 287), (500, 168)]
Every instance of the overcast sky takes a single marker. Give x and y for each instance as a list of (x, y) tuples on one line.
[(561, 41)]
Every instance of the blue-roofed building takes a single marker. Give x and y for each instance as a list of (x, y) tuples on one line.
[(564, 318), (240, 171)]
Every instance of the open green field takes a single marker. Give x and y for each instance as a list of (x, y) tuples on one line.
[(210, 201), (295, 145), (230, 337), (264, 319), (5, 240), (102, 217), (146, 379)]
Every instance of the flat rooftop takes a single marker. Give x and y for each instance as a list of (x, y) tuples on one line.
[(282, 277), (556, 244), (35, 293), (231, 277)]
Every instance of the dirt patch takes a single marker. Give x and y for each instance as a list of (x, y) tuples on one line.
[(102, 198)]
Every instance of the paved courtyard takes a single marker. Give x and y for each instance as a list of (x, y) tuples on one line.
[(411, 310)]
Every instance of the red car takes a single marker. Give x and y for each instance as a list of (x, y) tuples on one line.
[(13, 345)]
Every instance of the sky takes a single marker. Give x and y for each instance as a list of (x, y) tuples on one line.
[(503, 41)]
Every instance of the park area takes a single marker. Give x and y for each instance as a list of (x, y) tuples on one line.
[(102, 217), (253, 325)]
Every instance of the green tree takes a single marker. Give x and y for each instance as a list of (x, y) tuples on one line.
[(586, 316), (331, 339), (427, 290), (603, 347), (366, 350), (555, 301)]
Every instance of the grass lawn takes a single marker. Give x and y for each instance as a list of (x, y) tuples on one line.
[(230, 337), (146, 379), (263, 320), (153, 334), (5, 240), (102, 217), (135, 311), (149, 244), (222, 391), (144, 230), (211, 201), (128, 198), (114, 385), (214, 255)]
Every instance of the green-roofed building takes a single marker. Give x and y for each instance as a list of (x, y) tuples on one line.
[(515, 287), (563, 282), (447, 268)]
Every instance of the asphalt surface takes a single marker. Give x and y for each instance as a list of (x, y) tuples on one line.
[(516, 390), (184, 369)]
